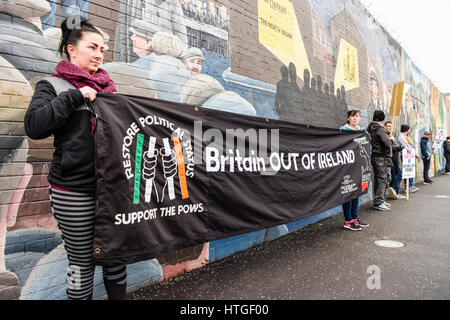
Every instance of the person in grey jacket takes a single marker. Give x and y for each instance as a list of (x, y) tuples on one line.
[(406, 142), (396, 170), (425, 148)]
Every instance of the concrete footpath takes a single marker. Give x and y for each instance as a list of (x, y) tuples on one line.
[(325, 261)]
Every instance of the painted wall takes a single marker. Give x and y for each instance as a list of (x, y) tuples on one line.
[(306, 61)]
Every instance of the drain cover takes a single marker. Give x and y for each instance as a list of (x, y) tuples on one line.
[(389, 244)]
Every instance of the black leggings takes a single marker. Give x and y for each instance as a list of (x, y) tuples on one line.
[(75, 213)]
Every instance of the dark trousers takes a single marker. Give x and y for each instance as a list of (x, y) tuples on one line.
[(351, 209), (381, 178), (447, 167), (396, 173), (426, 168)]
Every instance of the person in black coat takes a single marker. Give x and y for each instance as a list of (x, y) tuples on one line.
[(381, 160), (446, 146)]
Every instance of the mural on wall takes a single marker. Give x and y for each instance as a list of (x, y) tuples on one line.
[(438, 125), (306, 61), (25, 213)]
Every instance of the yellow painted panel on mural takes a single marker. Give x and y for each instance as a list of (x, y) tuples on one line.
[(275, 22), (347, 68), (280, 33), (397, 98)]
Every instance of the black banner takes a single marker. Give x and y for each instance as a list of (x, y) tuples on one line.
[(173, 175)]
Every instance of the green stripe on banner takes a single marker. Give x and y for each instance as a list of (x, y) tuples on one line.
[(137, 168)]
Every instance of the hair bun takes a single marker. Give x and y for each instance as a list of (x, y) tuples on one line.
[(73, 22)]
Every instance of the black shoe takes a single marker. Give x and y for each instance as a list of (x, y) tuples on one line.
[(429, 181)]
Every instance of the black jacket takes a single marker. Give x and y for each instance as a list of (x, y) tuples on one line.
[(396, 153), (446, 146), (73, 164), (379, 138)]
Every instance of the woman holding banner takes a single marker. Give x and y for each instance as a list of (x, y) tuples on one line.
[(350, 208), (59, 108)]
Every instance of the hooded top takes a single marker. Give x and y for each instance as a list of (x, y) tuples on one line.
[(425, 148), (379, 138), (446, 146)]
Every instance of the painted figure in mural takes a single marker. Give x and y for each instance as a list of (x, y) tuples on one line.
[(68, 8), (396, 169), (375, 102), (282, 89), (381, 160), (350, 208), (59, 108), (168, 73), (193, 58), (142, 34), (408, 115), (315, 104), (19, 33), (133, 78), (446, 147), (425, 149), (165, 15)]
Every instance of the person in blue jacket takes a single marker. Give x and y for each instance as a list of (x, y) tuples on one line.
[(350, 208), (425, 148)]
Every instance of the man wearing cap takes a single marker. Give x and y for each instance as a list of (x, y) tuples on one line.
[(193, 58), (142, 34), (405, 140), (381, 160), (425, 148)]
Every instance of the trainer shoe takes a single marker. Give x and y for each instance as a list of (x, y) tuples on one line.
[(381, 207), (414, 189), (393, 193), (351, 226), (359, 223), (387, 204), (400, 196), (426, 182)]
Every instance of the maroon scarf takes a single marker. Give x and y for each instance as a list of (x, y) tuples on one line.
[(99, 81)]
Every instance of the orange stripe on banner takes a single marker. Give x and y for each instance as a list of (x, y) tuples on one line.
[(181, 168)]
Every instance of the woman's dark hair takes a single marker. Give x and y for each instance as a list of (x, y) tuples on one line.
[(72, 31), (353, 113)]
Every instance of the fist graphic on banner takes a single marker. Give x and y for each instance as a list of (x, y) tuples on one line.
[(169, 158)]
